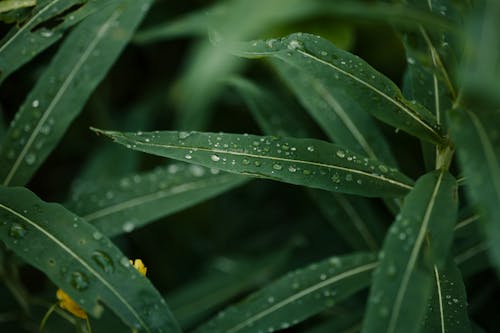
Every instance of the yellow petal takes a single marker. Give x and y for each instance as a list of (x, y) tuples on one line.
[(139, 265), (66, 303)]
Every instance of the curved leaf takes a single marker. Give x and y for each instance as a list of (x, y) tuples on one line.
[(8, 5), (23, 42), (80, 64), (131, 202), (447, 311), (420, 238), (339, 116), (296, 296), (354, 78), (308, 162), (80, 260), (478, 148)]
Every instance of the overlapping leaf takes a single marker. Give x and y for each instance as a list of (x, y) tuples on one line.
[(296, 296), (80, 260), (478, 147), (418, 240), (447, 311), (353, 78), (308, 162), (81, 63), (120, 206)]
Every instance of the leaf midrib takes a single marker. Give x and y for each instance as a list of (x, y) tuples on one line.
[(274, 158), (301, 294), (99, 35), (28, 24), (139, 200), (413, 257), (80, 260), (371, 87)]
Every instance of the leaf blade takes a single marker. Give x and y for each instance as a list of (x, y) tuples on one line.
[(83, 262), (51, 106), (323, 165), (373, 91), (399, 296), (285, 294)]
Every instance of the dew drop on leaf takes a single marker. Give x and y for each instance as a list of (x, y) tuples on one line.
[(79, 281), (103, 261), (17, 231)]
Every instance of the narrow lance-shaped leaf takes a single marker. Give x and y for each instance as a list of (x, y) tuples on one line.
[(296, 296), (80, 260), (352, 217), (447, 310), (130, 202), (339, 116), (80, 64), (478, 147), (354, 78), (308, 162), (420, 238), (25, 41)]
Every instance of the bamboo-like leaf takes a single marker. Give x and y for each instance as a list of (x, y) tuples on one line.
[(80, 260), (296, 296), (308, 162), (447, 311), (22, 43), (81, 63), (120, 206), (419, 239), (478, 148), (354, 78), (8, 5), (339, 116)]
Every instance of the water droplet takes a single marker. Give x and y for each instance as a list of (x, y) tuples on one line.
[(306, 172), (322, 277), (310, 148), (391, 270), (79, 281), (277, 166), (246, 161), (292, 169), (294, 44), (17, 231), (188, 157), (214, 158), (270, 299), (125, 262), (103, 261), (341, 153), (257, 163), (128, 226), (182, 135), (30, 158), (335, 178), (383, 168), (35, 103), (348, 177), (97, 235)]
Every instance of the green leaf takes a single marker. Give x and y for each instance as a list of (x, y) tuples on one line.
[(7, 5), (478, 147), (80, 260), (296, 296), (24, 41), (120, 206), (80, 64), (340, 116), (308, 162), (419, 239), (447, 310), (354, 78)]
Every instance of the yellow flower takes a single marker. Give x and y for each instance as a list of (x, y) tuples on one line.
[(66, 303), (139, 265)]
